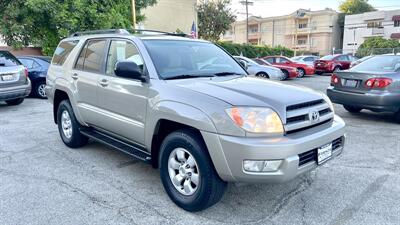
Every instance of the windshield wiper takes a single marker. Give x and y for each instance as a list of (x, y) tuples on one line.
[(185, 76), (227, 74)]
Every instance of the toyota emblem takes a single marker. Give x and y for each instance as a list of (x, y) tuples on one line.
[(314, 116)]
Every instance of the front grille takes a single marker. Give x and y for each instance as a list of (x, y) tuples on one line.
[(298, 116), (311, 156)]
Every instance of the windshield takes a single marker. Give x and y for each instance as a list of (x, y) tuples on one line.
[(190, 58), (7, 59), (328, 57), (296, 58), (262, 62), (379, 64)]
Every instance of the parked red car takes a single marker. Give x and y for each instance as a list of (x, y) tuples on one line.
[(290, 72), (303, 69), (333, 63)]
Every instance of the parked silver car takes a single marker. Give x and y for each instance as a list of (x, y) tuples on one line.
[(306, 59), (202, 122), (14, 82), (261, 70)]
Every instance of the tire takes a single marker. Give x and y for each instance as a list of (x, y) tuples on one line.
[(209, 189), (397, 116), (40, 90), (302, 72), (337, 68), (352, 109), (15, 101), (319, 72), (262, 74), (286, 74), (68, 126)]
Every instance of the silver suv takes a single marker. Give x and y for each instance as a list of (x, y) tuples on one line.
[(188, 108)]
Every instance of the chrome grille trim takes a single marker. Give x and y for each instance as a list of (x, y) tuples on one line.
[(297, 116)]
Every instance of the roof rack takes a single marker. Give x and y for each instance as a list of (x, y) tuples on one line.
[(159, 32), (108, 31)]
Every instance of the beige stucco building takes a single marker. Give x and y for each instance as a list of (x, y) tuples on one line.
[(315, 32), (170, 15)]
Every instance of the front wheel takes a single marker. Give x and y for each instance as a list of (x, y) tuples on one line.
[(301, 71), (337, 69), (187, 172), (352, 109), (263, 75), (15, 101), (286, 75), (68, 126)]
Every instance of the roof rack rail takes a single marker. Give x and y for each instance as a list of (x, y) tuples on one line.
[(160, 32), (107, 31)]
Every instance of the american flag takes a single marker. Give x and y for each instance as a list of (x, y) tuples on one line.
[(193, 31)]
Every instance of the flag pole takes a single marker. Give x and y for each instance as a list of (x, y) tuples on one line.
[(133, 14)]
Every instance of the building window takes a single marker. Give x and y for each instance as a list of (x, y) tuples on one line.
[(302, 41), (253, 29), (397, 23), (303, 24), (374, 24)]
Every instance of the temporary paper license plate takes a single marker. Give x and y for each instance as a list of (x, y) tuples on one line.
[(7, 77), (324, 153), (350, 83)]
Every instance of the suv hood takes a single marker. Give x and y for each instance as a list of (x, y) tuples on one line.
[(248, 91)]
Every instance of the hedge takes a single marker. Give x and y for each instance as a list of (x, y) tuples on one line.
[(255, 51)]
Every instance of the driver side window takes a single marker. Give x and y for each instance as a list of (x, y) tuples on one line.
[(122, 50)]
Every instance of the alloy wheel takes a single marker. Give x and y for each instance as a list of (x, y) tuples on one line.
[(66, 124)]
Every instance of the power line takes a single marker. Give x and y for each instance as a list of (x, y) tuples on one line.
[(247, 3)]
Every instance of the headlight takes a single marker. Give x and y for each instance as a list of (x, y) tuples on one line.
[(328, 101), (256, 120)]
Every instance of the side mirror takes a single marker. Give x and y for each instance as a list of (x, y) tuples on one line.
[(244, 64), (128, 69)]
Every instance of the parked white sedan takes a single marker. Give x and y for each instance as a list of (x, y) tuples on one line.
[(261, 70), (306, 59)]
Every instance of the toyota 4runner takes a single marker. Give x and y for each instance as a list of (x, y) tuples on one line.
[(190, 109)]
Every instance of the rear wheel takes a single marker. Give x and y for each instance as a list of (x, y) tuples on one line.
[(187, 172), (68, 126), (286, 73), (15, 101), (352, 109), (319, 72), (337, 68), (301, 71), (397, 116), (40, 90), (262, 74)]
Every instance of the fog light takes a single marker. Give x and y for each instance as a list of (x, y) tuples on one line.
[(261, 166)]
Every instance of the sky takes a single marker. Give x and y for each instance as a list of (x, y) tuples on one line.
[(267, 8)]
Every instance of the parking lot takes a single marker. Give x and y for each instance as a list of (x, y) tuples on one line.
[(44, 182)]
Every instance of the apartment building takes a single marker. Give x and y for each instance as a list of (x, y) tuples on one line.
[(314, 32), (359, 27), (170, 15)]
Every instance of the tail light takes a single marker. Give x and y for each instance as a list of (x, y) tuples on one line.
[(380, 82), (334, 79), (26, 72)]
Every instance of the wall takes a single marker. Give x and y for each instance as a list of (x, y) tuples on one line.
[(170, 15)]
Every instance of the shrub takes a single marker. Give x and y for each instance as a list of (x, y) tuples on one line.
[(255, 51)]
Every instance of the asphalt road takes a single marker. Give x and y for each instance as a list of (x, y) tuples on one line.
[(44, 182)]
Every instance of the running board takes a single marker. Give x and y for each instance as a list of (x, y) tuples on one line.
[(118, 144)]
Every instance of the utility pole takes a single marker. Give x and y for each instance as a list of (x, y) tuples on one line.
[(133, 15), (247, 3)]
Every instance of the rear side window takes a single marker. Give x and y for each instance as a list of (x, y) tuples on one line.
[(62, 52), (7, 59), (29, 63), (90, 58)]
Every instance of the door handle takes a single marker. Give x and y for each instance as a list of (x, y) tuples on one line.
[(104, 83), (75, 76)]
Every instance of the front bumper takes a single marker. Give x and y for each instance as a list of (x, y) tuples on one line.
[(228, 153), (379, 101), (310, 71), (14, 92), (293, 73)]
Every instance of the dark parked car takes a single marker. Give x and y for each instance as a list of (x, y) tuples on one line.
[(333, 63), (14, 82), (372, 84), (37, 70)]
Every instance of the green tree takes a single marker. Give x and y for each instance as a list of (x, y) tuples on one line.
[(379, 42), (215, 18), (350, 7), (43, 23)]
